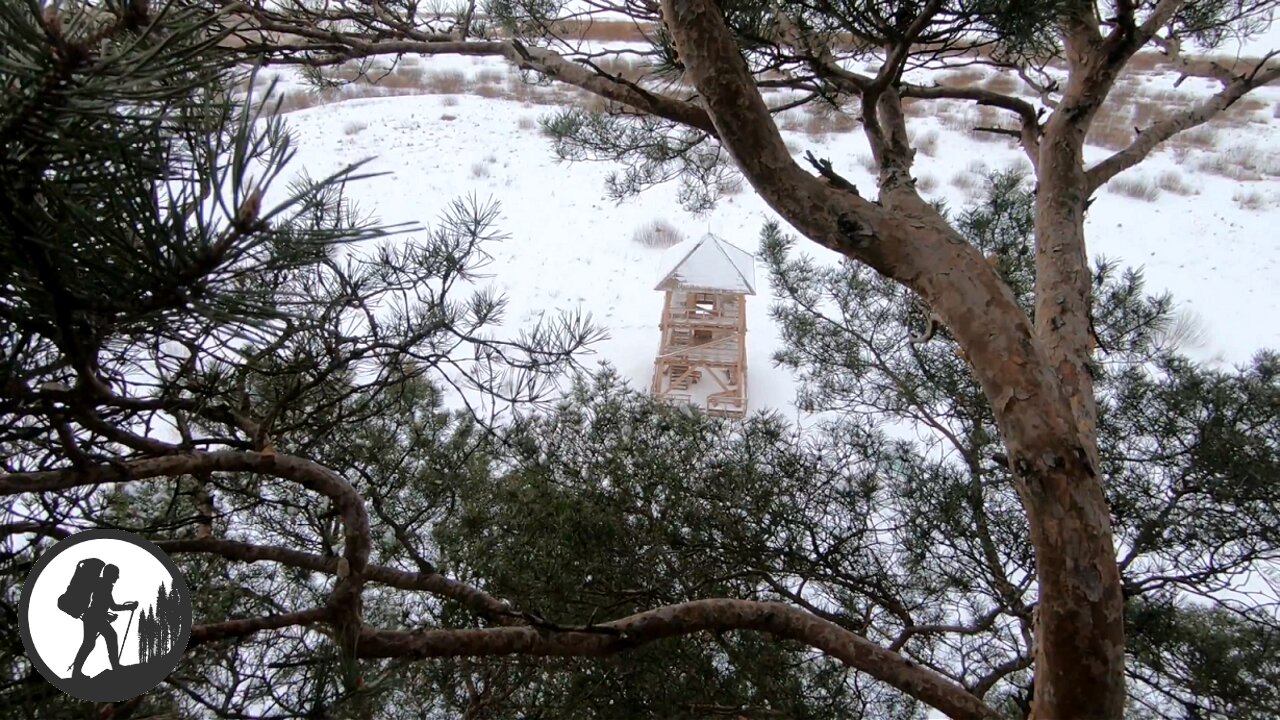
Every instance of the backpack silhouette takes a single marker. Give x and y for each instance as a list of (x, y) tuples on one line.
[(76, 599)]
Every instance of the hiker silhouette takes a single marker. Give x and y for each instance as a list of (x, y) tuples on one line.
[(94, 593), (72, 623)]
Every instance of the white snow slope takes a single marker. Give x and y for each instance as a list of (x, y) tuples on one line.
[(571, 248)]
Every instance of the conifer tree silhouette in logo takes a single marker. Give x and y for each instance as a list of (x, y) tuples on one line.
[(102, 575)]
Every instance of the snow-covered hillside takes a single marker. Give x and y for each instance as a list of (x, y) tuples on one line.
[(1210, 239)]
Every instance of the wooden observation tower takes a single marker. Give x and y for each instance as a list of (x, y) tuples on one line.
[(702, 358)]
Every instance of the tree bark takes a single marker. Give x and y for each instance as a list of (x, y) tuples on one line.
[(1035, 377)]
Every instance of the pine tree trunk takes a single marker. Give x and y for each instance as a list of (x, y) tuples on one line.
[(1080, 652), (1035, 377)]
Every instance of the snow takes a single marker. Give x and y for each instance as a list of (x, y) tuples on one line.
[(570, 249), (709, 263)]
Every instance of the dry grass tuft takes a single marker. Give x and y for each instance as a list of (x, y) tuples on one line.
[(627, 68), (926, 142), (1172, 181), (490, 76), (965, 180), (1111, 133), (448, 118), (405, 77), (1251, 199), (988, 117), (926, 183), (1247, 106), (605, 30), (824, 121), (1146, 113), (526, 123), (1200, 138), (1230, 165), (915, 107), (791, 122), (445, 82), (1003, 83), (1145, 62), (479, 170), (295, 100), (449, 101), (966, 77), (354, 128), (657, 234), (1138, 187)]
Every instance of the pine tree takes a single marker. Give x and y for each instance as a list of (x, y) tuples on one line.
[(161, 266), (353, 543), (1189, 456)]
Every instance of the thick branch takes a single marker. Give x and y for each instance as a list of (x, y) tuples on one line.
[(201, 634), (781, 621), (1026, 112), (345, 598), (342, 47), (484, 604), (1151, 137)]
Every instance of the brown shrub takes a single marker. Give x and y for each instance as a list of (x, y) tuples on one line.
[(791, 122), (490, 76), (823, 120), (404, 77), (1200, 138), (926, 142), (657, 234), (1003, 83), (988, 117), (626, 68), (1113, 134), (1233, 165), (1251, 199), (445, 82), (965, 180), (605, 30), (1145, 62), (1172, 181), (915, 107), (1146, 113), (295, 100), (961, 78), (1138, 187)]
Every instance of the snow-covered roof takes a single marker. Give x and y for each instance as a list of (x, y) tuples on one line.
[(708, 263)]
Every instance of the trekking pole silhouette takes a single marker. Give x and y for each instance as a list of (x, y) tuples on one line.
[(128, 625)]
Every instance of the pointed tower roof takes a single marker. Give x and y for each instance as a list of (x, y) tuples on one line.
[(708, 263)]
